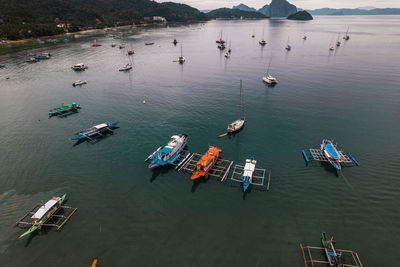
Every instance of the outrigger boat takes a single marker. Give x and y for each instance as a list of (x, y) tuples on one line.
[(131, 52), (169, 153), (64, 109), (239, 123), (248, 173), (334, 257), (96, 130), (174, 41), (206, 162), (330, 151), (330, 251), (43, 214), (288, 47), (262, 42)]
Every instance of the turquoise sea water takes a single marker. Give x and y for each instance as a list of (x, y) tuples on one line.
[(129, 215)]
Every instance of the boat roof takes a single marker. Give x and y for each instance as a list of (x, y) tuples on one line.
[(165, 150), (331, 150), (100, 126), (45, 208), (249, 167)]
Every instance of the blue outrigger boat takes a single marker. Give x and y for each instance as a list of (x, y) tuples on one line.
[(331, 153), (169, 153), (330, 251), (248, 173), (96, 130)]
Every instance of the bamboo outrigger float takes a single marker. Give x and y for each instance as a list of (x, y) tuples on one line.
[(333, 257), (64, 110), (41, 214)]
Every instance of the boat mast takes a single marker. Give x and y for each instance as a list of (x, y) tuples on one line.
[(241, 112), (181, 51), (269, 66)]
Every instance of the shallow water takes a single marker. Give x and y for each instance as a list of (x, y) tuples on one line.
[(129, 215)]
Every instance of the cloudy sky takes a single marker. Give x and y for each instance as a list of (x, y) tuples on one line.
[(306, 4)]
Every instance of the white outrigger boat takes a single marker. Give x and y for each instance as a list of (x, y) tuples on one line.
[(79, 67), (248, 173), (43, 214), (78, 83), (127, 67), (268, 78), (238, 124), (169, 153)]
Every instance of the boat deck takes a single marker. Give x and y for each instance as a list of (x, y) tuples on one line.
[(57, 219), (313, 154), (315, 256), (220, 169), (261, 177)]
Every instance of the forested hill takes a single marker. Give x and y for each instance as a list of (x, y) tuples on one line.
[(33, 18)]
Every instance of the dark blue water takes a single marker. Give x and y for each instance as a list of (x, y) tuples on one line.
[(129, 215)]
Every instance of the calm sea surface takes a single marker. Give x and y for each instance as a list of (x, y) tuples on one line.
[(129, 215)]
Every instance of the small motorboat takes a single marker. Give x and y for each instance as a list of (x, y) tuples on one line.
[(149, 43), (78, 83), (113, 45), (304, 37), (206, 162), (131, 52), (121, 46), (252, 36), (174, 41), (79, 67), (270, 80), (127, 67), (248, 173), (96, 45), (227, 55), (338, 44), (169, 153), (221, 46), (96, 130), (331, 48), (262, 42), (329, 150)]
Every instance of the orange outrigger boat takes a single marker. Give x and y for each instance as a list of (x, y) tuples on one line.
[(206, 162)]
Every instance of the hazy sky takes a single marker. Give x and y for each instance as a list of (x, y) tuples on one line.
[(306, 4)]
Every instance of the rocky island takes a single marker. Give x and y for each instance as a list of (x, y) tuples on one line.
[(301, 15)]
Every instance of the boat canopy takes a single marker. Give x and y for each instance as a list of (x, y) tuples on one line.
[(249, 168), (331, 150), (100, 126), (45, 208)]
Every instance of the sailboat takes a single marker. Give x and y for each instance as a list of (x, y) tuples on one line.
[(346, 37), (220, 41), (238, 124), (181, 59), (304, 37), (253, 35), (175, 41), (230, 45), (338, 43), (268, 78), (288, 47), (262, 42), (331, 47)]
